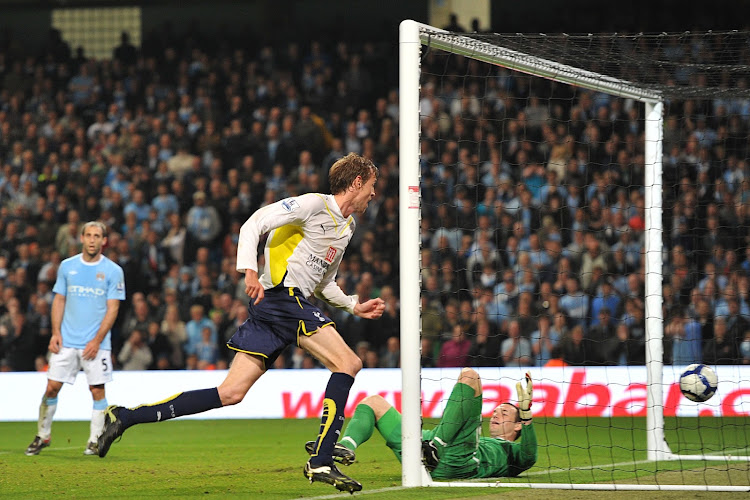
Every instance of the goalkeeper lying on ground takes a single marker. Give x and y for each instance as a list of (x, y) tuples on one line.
[(454, 449)]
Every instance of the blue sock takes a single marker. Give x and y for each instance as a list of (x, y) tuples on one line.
[(101, 404), (184, 403), (337, 392)]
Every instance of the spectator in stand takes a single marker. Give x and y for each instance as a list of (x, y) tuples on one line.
[(455, 352), (526, 317), (161, 349), (485, 350), (591, 258), (427, 353), (194, 329), (372, 360), (687, 343), (574, 303), (66, 240), (605, 298), (138, 317), (19, 338), (203, 224), (126, 52), (598, 335), (502, 307), (516, 350), (165, 203), (720, 350), (745, 349), (174, 241), (431, 319), (574, 349), (544, 340), (135, 353), (391, 356), (206, 351), (182, 164), (173, 328)]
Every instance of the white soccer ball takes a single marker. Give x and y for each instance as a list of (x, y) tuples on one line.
[(698, 382)]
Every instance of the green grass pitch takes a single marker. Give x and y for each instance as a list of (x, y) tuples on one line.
[(264, 459)]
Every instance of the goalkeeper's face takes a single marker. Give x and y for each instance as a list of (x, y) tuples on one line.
[(505, 422)]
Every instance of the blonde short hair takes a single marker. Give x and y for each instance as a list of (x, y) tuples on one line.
[(346, 169), (94, 223)]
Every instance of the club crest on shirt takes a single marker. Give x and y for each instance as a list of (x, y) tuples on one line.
[(331, 254), (290, 205), (100, 276)]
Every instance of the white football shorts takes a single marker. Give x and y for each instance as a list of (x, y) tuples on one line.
[(65, 365)]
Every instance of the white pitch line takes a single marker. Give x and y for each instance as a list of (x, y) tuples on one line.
[(359, 493), (535, 473), (616, 464), (585, 467), (48, 450), (619, 464)]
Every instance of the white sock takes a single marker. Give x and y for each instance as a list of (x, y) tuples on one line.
[(46, 412), (97, 425), (348, 442)]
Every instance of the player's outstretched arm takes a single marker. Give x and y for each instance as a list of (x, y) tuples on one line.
[(525, 397), (525, 453), (372, 309)]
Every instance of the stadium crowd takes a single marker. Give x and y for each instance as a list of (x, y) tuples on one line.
[(532, 219)]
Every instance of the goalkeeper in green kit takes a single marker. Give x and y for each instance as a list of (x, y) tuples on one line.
[(454, 449)]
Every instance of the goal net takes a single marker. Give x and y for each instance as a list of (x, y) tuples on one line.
[(578, 207)]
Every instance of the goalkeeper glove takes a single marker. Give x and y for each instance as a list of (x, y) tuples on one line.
[(524, 398)]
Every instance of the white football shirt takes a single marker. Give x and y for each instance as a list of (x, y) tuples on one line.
[(307, 239)]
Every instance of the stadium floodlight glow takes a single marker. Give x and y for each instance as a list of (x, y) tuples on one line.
[(488, 48)]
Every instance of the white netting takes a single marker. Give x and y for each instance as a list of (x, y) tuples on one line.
[(534, 216)]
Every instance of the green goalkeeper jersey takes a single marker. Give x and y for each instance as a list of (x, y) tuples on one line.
[(472, 456), (500, 458), (464, 453)]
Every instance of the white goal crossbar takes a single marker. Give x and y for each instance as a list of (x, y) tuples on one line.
[(412, 36)]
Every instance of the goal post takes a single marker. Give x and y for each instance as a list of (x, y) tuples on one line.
[(415, 37), (409, 52), (657, 445)]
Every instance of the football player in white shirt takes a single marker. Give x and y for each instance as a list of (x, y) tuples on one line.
[(307, 237)]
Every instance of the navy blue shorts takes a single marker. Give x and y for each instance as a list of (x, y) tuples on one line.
[(278, 321)]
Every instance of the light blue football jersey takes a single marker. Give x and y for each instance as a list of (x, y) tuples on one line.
[(86, 288)]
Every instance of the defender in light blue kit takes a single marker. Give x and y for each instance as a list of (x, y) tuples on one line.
[(88, 292)]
